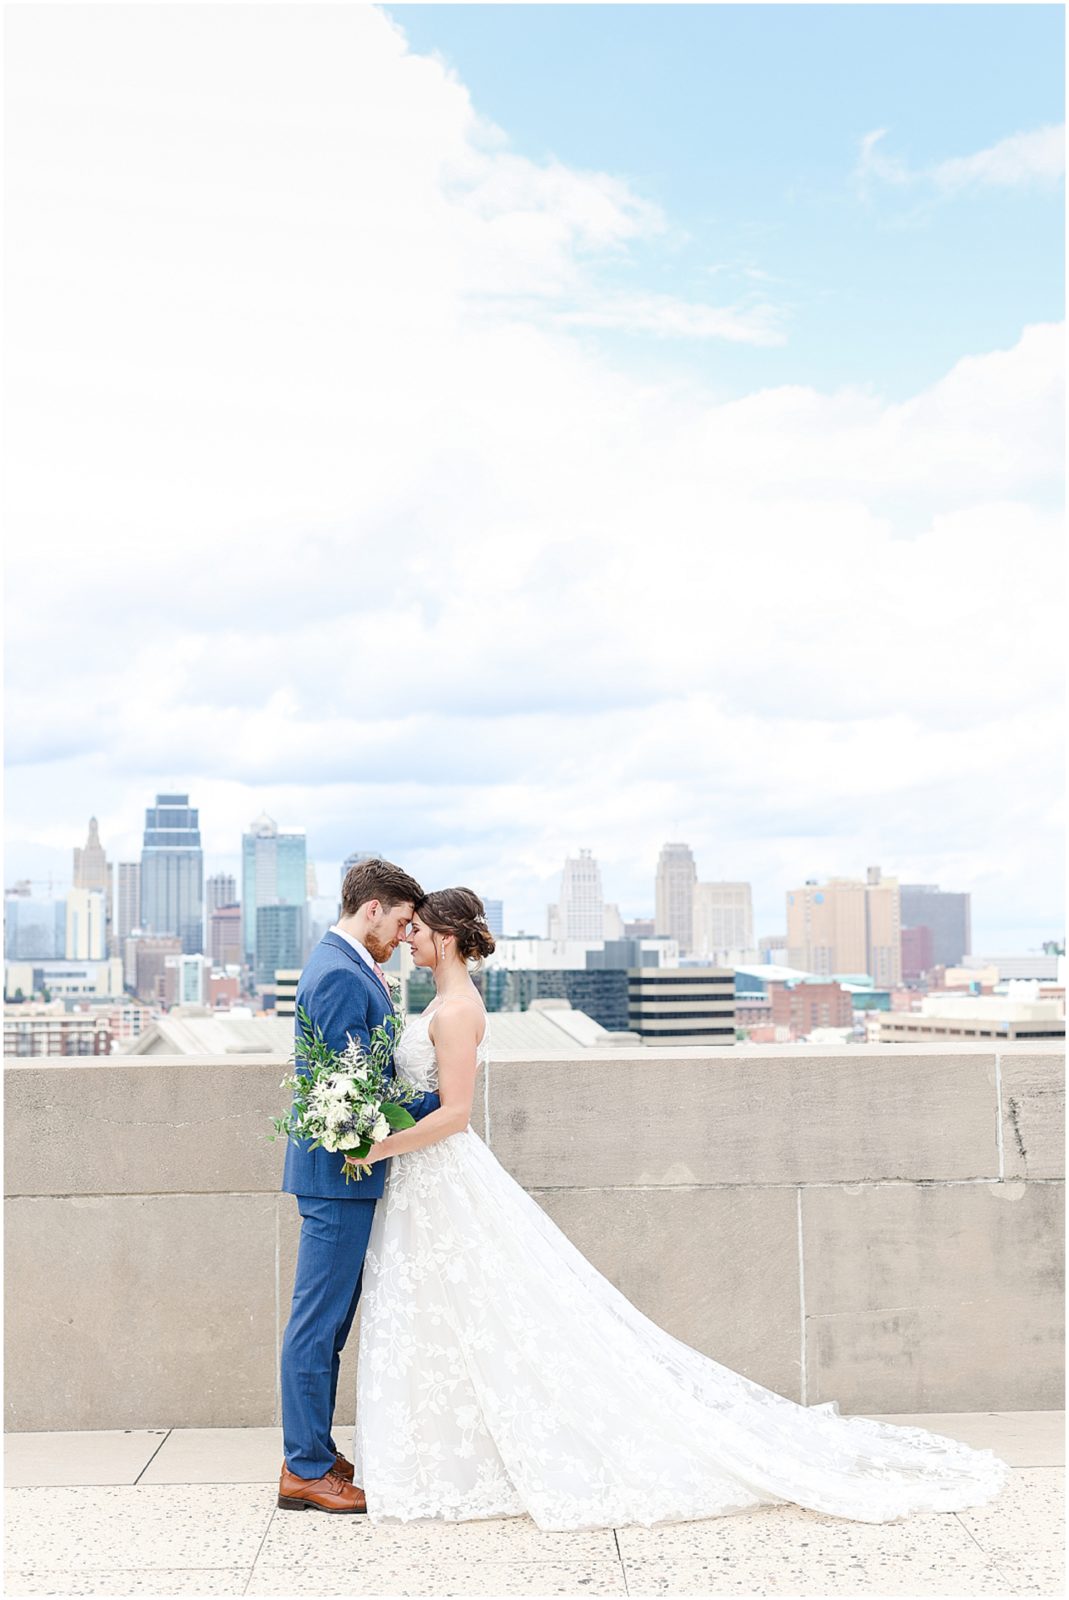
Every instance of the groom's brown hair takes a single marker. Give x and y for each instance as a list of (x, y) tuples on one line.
[(377, 880)]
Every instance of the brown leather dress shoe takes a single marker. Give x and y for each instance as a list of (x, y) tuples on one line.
[(332, 1492), (342, 1466)]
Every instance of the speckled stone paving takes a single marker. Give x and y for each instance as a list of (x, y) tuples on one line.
[(193, 1511)]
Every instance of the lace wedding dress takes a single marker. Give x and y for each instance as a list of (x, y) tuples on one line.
[(500, 1373)]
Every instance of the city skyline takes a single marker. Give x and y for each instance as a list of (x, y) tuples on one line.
[(582, 861), (635, 464)]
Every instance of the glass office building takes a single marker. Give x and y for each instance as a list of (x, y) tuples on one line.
[(34, 929), (172, 872), (274, 872), (279, 941)]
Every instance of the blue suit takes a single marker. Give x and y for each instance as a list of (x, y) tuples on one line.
[(342, 995)]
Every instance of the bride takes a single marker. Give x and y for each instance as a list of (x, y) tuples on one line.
[(500, 1373)]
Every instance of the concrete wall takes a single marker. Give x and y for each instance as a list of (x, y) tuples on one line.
[(882, 1227)]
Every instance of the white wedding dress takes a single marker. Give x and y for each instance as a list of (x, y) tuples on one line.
[(500, 1373)]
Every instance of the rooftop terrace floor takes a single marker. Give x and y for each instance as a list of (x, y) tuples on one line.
[(193, 1511)]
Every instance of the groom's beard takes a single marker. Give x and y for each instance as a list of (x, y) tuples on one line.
[(379, 951)]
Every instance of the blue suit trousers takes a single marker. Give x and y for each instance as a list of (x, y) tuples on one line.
[(326, 1289)]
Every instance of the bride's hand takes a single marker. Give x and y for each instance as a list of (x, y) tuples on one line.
[(360, 1166), (356, 1167)]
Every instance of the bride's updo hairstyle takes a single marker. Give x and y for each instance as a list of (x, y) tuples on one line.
[(461, 913)]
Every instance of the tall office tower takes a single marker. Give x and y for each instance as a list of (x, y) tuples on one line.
[(224, 936), (612, 926), (279, 940), (87, 914), (91, 871), (273, 873), (723, 919), (495, 917), (826, 927), (172, 872), (846, 926), (581, 907), (676, 877), (221, 889), (946, 914), (883, 929), (127, 902)]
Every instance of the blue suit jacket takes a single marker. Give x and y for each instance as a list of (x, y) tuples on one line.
[(342, 995)]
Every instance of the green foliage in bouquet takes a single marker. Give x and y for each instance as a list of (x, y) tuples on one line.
[(344, 1100)]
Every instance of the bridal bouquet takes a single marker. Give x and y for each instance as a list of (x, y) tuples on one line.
[(343, 1100)]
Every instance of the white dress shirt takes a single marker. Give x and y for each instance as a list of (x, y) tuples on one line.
[(357, 946)]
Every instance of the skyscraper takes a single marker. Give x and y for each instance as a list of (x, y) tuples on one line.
[(883, 929), (676, 876), (172, 872), (34, 929), (946, 914), (273, 873), (581, 908), (846, 925), (127, 902), (90, 862), (91, 871), (279, 940), (221, 889), (87, 911), (495, 917), (224, 936), (723, 919)]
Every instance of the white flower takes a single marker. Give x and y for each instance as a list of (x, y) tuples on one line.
[(355, 1059), (380, 1130), (340, 1085), (328, 1139)]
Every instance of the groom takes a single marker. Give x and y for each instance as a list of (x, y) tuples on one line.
[(343, 991)]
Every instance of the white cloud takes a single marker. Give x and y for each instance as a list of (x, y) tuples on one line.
[(673, 318), (1036, 156), (316, 504)]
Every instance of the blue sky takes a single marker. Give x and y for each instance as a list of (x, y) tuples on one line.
[(483, 433), (744, 123)]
